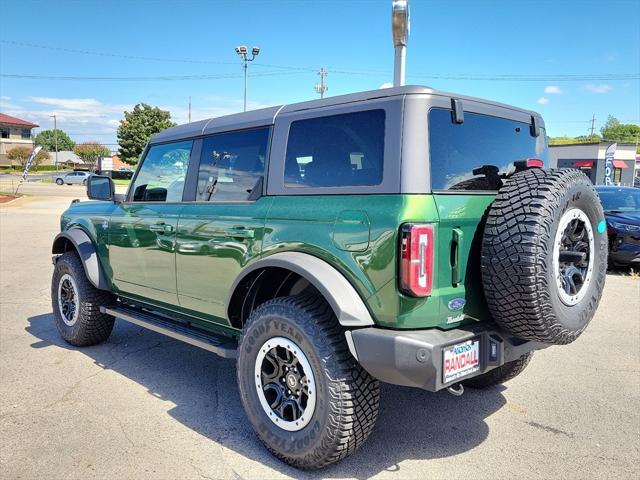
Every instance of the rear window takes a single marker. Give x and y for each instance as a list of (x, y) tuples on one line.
[(473, 154), (336, 151)]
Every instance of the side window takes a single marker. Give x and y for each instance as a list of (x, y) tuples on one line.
[(478, 153), (336, 151), (231, 165), (162, 174)]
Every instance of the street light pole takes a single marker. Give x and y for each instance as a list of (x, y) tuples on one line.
[(243, 53), (55, 135), (400, 30)]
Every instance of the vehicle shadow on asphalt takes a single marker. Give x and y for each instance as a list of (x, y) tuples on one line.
[(412, 424)]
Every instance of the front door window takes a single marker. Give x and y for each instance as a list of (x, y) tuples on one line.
[(162, 175)]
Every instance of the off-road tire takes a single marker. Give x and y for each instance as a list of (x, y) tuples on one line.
[(92, 326), (347, 396), (517, 255), (59, 181), (501, 374)]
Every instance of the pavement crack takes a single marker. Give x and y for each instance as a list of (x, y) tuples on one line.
[(546, 428)]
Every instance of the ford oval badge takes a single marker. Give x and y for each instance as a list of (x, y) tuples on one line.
[(456, 303)]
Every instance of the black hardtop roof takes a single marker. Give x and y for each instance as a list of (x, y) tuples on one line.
[(266, 116)]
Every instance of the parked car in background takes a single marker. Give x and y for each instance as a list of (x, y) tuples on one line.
[(72, 178), (622, 212)]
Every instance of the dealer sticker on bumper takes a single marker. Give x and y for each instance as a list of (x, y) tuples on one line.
[(460, 360)]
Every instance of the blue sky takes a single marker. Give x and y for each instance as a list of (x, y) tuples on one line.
[(476, 39)]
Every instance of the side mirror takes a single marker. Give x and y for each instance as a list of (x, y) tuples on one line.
[(100, 187)]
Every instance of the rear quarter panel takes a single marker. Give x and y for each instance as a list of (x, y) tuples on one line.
[(358, 235)]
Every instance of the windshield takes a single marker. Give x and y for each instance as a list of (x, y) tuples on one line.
[(623, 200)]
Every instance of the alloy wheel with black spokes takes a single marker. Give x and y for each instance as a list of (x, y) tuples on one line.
[(308, 400), (285, 383), (573, 249), (544, 255), (76, 303), (68, 299)]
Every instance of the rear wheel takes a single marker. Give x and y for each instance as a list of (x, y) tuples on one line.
[(307, 398), (76, 304), (501, 374)]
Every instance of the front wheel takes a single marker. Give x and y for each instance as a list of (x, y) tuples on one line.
[(309, 401), (59, 181), (76, 304)]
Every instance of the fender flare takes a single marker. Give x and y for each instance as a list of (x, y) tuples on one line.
[(343, 298), (87, 253)]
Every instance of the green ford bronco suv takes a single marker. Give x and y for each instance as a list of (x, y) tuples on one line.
[(402, 235)]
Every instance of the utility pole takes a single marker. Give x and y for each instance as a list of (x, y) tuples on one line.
[(321, 87), (189, 108), (243, 52), (55, 135), (593, 124)]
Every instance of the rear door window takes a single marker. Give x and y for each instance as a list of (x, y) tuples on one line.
[(475, 154), (336, 151), (231, 165)]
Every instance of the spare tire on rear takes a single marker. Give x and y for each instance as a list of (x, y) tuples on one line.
[(544, 255)]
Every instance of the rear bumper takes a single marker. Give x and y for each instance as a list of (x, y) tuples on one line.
[(625, 254), (414, 358)]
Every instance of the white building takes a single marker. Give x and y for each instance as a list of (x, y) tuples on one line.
[(589, 157)]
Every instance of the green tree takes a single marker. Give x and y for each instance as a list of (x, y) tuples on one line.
[(90, 152), (615, 131), (573, 140), (22, 154), (137, 128), (47, 138)]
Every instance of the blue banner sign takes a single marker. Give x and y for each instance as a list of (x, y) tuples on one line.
[(608, 163)]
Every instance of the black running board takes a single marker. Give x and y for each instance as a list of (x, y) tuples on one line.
[(220, 345)]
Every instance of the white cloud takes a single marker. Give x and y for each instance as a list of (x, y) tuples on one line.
[(386, 85), (553, 90), (543, 101), (598, 88), (4, 97), (91, 119), (67, 103)]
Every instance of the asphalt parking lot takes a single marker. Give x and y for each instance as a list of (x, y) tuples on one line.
[(144, 406)]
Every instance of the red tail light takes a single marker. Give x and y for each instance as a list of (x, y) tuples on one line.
[(416, 259), (534, 163)]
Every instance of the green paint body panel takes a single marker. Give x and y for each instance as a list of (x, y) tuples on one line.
[(183, 258)]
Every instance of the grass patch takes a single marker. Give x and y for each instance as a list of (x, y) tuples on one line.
[(121, 181)]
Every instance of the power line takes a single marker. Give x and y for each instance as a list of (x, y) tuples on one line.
[(218, 76), (470, 77), (290, 69), (115, 55)]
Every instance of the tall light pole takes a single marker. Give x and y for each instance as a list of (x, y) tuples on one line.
[(321, 87), (243, 52), (55, 135), (400, 30)]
